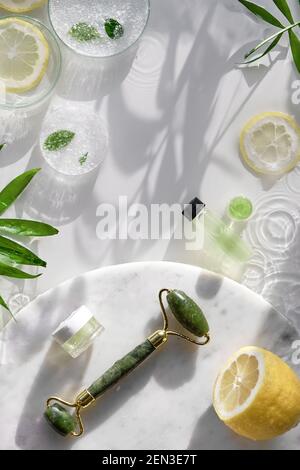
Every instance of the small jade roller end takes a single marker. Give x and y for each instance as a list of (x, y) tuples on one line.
[(188, 313), (60, 419)]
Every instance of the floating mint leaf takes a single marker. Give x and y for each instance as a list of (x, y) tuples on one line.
[(113, 28), (58, 140), (83, 159), (2, 146), (84, 32)]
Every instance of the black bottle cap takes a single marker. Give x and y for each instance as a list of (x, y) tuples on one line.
[(193, 209)]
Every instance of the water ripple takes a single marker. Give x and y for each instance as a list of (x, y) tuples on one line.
[(282, 291), (293, 181), (149, 60), (257, 269), (273, 229)]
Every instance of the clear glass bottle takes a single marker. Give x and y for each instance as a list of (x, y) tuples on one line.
[(77, 333), (223, 250)]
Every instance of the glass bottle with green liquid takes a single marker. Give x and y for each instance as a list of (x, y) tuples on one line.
[(222, 249)]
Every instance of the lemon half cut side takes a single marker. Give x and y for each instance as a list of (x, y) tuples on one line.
[(21, 6), (270, 143), (24, 55), (257, 394)]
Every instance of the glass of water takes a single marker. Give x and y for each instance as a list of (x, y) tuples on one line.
[(73, 139), (99, 28)]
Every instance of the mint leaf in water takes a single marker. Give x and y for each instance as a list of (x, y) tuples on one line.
[(58, 140), (83, 159), (2, 146), (84, 32), (113, 28)]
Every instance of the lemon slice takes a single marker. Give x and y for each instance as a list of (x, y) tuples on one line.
[(270, 143), (24, 55), (21, 6), (257, 395)]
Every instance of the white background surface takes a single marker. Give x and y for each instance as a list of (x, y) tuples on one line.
[(174, 124)]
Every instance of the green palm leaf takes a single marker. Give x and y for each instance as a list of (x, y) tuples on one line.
[(295, 47), (261, 13), (13, 190), (4, 304), (9, 271), (285, 9), (18, 254), (13, 253), (26, 228)]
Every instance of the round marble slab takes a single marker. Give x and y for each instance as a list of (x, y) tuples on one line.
[(166, 403)]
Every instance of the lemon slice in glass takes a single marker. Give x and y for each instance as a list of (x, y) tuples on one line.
[(24, 55), (257, 394), (21, 6), (270, 143)]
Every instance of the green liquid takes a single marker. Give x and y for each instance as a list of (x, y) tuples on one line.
[(240, 208), (83, 338)]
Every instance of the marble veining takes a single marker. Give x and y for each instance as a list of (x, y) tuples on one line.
[(179, 378)]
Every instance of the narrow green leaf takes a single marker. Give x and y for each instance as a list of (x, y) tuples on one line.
[(19, 254), (9, 271), (3, 303), (271, 38), (285, 9), (261, 13), (58, 140), (13, 190), (295, 47), (2, 146), (269, 48), (26, 228)]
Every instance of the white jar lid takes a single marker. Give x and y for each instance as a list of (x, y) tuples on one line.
[(68, 328)]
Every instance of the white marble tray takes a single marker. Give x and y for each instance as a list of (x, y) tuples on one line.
[(165, 404)]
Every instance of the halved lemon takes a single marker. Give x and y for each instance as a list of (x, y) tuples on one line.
[(24, 55), (21, 6), (270, 143), (257, 394)]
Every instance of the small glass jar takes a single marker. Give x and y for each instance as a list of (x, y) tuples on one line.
[(77, 333)]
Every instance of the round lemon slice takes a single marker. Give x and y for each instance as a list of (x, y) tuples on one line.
[(270, 143), (21, 6), (24, 55), (257, 394)]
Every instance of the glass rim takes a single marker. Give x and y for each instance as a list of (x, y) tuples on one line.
[(58, 65), (98, 57)]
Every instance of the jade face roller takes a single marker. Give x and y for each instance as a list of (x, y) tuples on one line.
[(186, 312)]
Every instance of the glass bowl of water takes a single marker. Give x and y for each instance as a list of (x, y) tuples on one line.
[(99, 28), (30, 62)]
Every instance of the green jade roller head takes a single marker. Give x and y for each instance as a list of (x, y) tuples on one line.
[(59, 412)]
